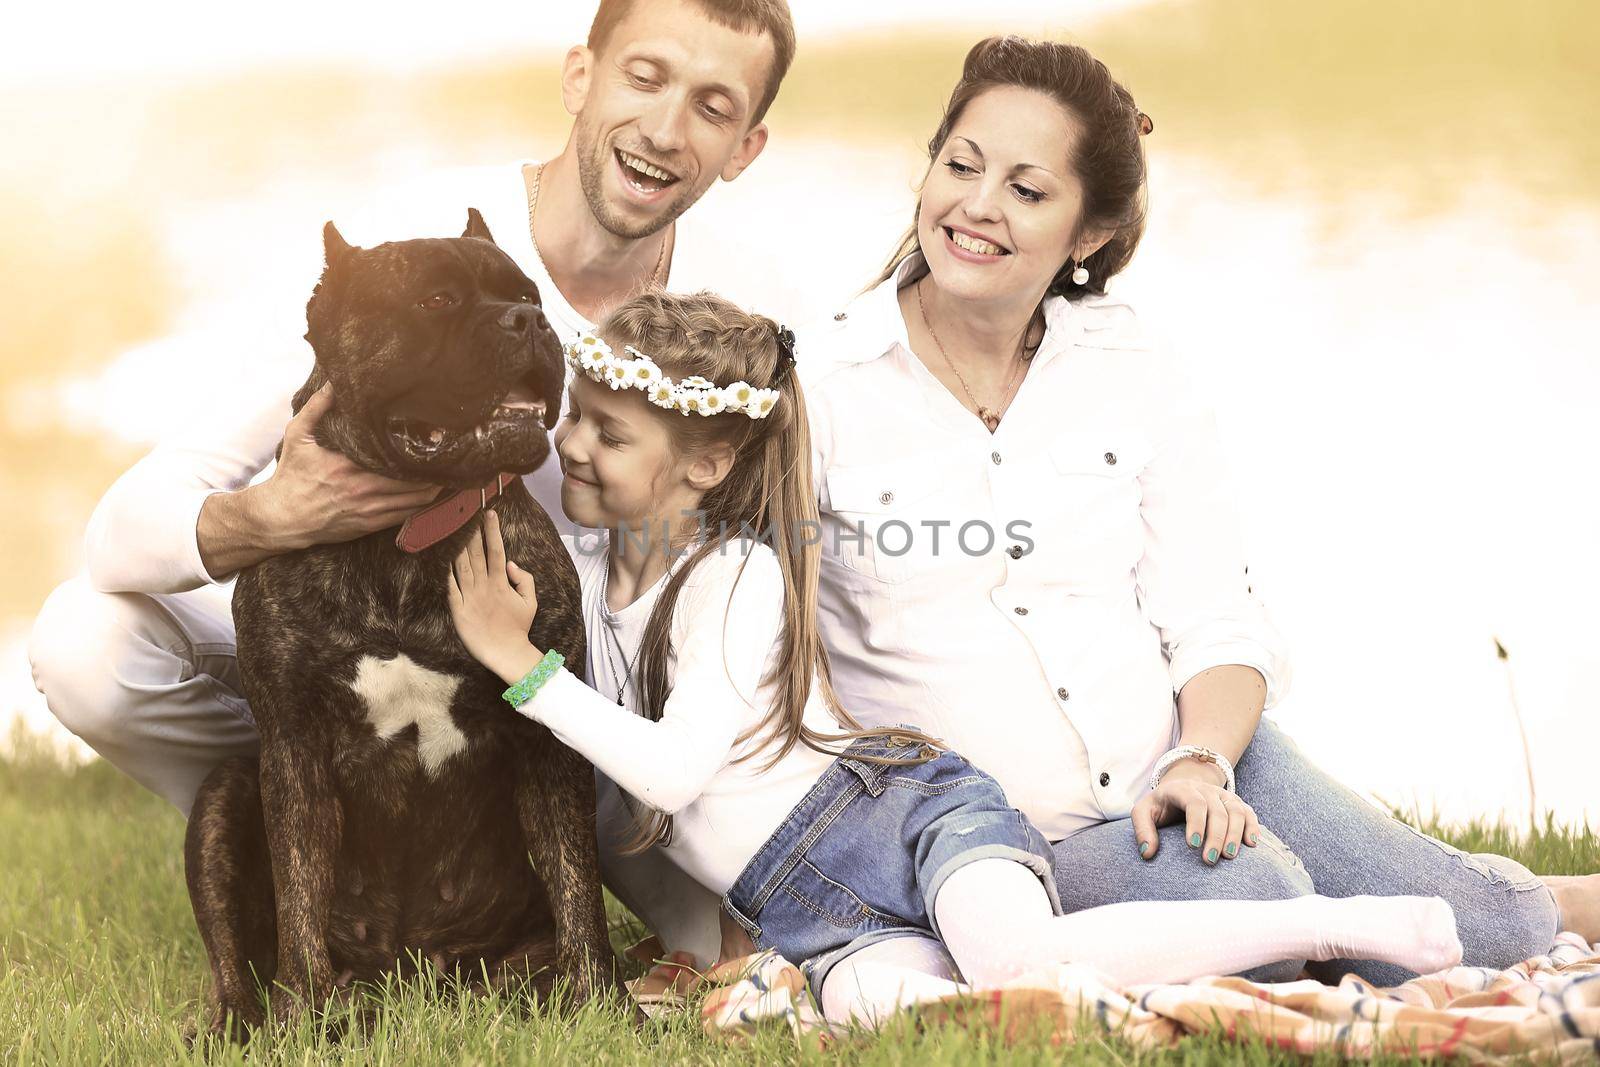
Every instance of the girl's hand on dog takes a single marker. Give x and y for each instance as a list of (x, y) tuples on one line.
[(492, 603)]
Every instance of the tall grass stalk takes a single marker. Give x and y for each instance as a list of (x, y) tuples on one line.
[(1522, 730)]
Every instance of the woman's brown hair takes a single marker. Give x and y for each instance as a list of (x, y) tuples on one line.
[(766, 494), (1108, 158)]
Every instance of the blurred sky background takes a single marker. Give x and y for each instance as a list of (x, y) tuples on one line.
[(1374, 234)]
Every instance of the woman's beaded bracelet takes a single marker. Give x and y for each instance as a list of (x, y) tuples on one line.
[(526, 689), (1199, 752)]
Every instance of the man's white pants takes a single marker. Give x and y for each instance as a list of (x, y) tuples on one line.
[(150, 681)]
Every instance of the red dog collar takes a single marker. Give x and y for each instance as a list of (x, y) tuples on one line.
[(444, 517)]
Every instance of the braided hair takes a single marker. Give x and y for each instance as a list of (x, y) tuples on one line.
[(767, 494)]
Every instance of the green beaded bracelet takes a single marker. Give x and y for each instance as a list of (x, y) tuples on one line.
[(526, 689)]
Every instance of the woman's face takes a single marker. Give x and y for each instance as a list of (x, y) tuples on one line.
[(1000, 206)]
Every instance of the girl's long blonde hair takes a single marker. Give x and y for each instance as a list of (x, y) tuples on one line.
[(767, 492)]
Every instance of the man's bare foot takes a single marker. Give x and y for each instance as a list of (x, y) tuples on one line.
[(1578, 897), (667, 984)]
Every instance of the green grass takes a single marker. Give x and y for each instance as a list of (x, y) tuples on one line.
[(100, 963)]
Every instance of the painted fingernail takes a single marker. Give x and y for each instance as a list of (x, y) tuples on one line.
[(1144, 848), (1231, 849), (1254, 838), (1211, 855), (1194, 840)]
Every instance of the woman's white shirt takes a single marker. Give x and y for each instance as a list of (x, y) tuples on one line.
[(726, 634), (1051, 655)]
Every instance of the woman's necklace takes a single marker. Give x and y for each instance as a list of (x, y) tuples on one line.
[(656, 275), (605, 575), (990, 416)]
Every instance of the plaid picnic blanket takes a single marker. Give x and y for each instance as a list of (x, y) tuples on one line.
[(1547, 1007)]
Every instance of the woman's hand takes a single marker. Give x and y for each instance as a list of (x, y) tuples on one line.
[(1217, 820), (493, 603)]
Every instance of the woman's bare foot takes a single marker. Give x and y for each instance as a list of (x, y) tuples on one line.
[(1578, 897)]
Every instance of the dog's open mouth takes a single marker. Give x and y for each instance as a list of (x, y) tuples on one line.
[(421, 439)]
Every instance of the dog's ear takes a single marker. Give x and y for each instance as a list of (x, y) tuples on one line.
[(335, 249), (476, 226), (334, 246)]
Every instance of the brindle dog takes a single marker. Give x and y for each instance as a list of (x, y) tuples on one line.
[(398, 800)]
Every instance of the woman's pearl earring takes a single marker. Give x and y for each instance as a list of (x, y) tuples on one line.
[(1081, 275)]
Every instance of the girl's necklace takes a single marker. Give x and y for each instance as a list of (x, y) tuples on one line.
[(626, 676), (990, 416), (532, 181)]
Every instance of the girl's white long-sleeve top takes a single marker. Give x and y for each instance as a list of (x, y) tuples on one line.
[(1037, 596), (726, 632)]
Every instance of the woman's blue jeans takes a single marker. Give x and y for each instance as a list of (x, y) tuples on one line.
[(1318, 837)]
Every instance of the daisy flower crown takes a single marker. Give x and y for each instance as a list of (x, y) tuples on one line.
[(635, 370)]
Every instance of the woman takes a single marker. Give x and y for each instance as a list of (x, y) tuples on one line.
[(1029, 547)]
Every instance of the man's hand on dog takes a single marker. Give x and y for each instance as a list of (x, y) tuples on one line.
[(318, 496), (492, 603)]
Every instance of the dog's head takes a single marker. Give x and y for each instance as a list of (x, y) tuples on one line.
[(443, 365)]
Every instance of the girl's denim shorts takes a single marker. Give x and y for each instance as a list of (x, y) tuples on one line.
[(862, 857)]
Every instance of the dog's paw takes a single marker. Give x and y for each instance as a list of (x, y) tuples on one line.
[(289, 1004), (350, 1013), (233, 1024)]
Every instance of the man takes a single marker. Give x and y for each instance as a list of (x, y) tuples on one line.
[(138, 659)]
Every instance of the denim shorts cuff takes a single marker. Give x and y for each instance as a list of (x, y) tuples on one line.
[(1030, 860), (816, 969), (739, 917)]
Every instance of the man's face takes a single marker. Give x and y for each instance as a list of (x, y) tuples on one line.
[(662, 111)]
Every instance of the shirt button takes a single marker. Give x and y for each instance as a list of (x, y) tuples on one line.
[(886, 498), (1111, 459), (1015, 551), (1062, 693), (1105, 779), (1020, 611), (996, 457)]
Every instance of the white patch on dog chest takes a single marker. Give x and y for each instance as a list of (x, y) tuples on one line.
[(398, 692)]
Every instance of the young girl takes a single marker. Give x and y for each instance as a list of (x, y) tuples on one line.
[(874, 858)]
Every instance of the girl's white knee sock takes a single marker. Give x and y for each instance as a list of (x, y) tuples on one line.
[(870, 985), (995, 919)]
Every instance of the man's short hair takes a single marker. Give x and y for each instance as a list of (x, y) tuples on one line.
[(769, 17)]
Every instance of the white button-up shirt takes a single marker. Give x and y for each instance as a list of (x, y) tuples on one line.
[(1036, 597)]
